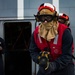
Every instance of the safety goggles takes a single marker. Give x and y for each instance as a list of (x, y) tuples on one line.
[(44, 18), (61, 20)]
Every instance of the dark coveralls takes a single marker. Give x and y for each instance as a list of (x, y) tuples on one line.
[(2, 44), (64, 64)]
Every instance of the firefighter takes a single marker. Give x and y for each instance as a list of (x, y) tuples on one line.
[(64, 19), (50, 46)]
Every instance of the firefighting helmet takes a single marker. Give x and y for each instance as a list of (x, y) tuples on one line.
[(47, 6), (49, 17), (64, 19), (63, 16)]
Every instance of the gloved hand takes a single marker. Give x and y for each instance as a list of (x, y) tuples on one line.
[(45, 66), (51, 68), (44, 59)]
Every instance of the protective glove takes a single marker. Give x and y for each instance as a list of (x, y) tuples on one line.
[(51, 68), (44, 59)]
